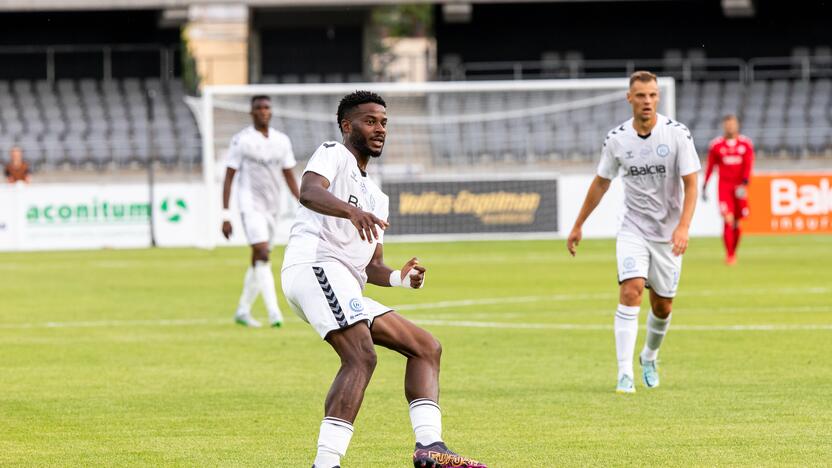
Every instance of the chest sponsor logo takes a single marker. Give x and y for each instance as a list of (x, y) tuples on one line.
[(648, 170), (732, 160)]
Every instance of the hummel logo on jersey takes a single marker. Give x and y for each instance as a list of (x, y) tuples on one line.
[(648, 169)]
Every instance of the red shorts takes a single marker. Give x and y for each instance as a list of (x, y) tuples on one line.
[(730, 203)]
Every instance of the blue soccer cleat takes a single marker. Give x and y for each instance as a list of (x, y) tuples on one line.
[(625, 385), (649, 373)]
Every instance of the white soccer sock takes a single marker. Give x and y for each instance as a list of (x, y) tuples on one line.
[(626, 332), (656, 330), (265, 279), (333, 441), (426, 418), (250, 290)]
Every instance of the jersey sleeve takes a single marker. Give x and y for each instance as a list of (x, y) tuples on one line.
[(688, 160), (326, 161), (712, 159), (609, 165), (235, 153), (289, 160)]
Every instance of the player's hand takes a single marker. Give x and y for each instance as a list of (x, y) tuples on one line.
[(366, 224), (704, 193), (417, 277), (573, 240), (226, 229), (680, 240)]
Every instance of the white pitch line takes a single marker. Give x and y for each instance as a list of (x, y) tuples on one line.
[(573, 297), (595, 327), (461, 303), (115, 323)]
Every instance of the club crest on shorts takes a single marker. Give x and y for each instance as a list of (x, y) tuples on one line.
[(662, 150), (629, 263), (356, 305)]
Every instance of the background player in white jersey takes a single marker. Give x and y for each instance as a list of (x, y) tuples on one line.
[(657, 161), (335, 248), (261, 155)]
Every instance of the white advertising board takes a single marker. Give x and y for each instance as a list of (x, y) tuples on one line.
[(86, 216)]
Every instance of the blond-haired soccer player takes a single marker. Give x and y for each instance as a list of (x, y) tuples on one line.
[(658, 164)]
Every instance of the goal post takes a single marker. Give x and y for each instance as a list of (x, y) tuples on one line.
[(477, 151)]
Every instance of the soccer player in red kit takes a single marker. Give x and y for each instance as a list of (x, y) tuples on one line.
[(733, 154)]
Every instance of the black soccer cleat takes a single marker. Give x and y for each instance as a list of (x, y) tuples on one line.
[(437, 455)]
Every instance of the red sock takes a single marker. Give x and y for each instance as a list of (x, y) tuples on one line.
[(728, 238), (737, 233)]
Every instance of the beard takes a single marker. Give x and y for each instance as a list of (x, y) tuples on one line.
[(359, 142)]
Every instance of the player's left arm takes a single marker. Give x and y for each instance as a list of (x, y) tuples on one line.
[(412, 274), (748, 165), (680, 234), (289, 162), (292, 182)]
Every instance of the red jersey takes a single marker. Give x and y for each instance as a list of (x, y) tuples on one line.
[(734, 158)]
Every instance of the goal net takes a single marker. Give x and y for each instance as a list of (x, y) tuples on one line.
[(461, 158)]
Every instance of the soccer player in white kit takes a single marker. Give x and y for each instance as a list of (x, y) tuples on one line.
[(335, 248), (260, 154), (657, 162)]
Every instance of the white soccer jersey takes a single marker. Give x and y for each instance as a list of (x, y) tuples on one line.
[(259, 161), (651, 169), (315, 237)]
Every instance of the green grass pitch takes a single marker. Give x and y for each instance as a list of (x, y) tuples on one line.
[(130, 358)]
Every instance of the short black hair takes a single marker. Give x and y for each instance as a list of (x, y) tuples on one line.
[(353, 100), (259, 97)]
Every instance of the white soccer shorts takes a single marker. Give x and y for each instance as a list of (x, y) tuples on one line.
[(654, 261), (259, 227), (326, 296)]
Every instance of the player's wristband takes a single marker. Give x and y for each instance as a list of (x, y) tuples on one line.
[(396, 279), (226, 214)]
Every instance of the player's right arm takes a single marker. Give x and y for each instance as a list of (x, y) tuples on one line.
[(709, 169), (607, 170), (232, 163), (226, 197), (596, 192), (315, 196)]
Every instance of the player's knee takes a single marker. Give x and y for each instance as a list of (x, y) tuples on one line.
[(261, 254), (365, 360), (631, 294), (662, 309), (729, 219), (434, 350)]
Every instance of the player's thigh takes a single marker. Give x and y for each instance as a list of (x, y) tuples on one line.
[(272, 221), (741, 208), (395, 332), (665, 269), (255, 227), (325, 295), (633, 256), (727, 201)]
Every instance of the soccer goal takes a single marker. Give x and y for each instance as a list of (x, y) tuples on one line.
[(470, 159)]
